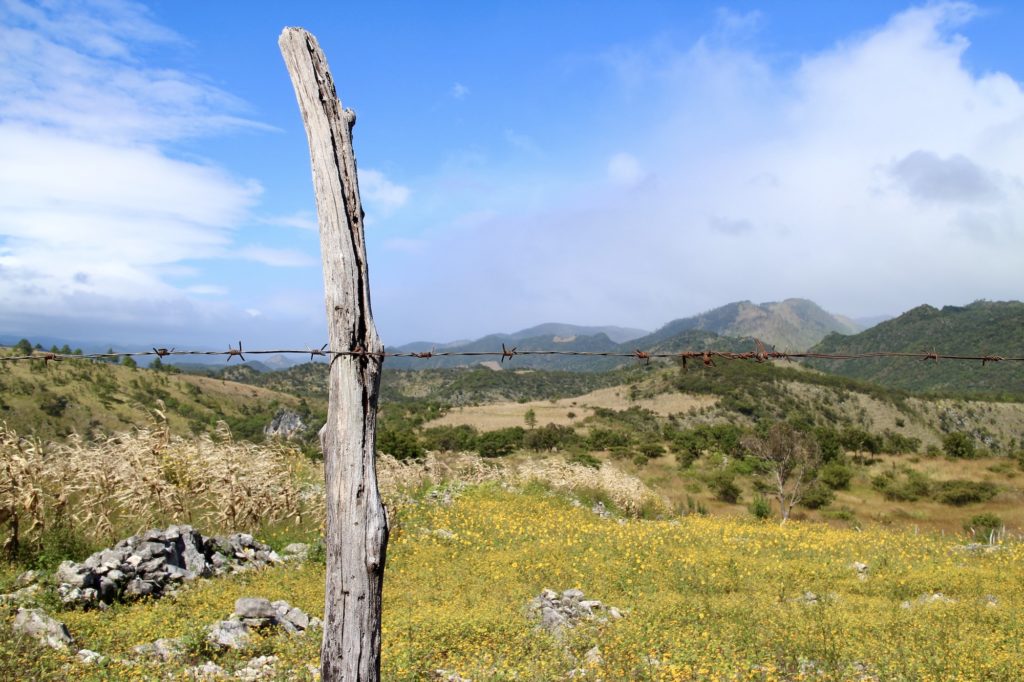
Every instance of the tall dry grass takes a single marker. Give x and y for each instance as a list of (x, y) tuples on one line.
[(129, 482), (628, 493)]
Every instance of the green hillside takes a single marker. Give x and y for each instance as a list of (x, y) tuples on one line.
[(981, 328), (52, 400)]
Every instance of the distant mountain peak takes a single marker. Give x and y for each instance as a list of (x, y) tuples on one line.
[(792, 324)]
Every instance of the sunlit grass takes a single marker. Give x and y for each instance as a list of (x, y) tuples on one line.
[(704, 598)]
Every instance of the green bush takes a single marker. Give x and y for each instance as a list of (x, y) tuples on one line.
[(905, 485), (499, 443), (760, 507), (836, 475), (607, 439), (828, 442), (898, 444), (459, 438), (651, 449), (399, 443), (983, 526), (959, 445), (550, 437), (724, 486), (959, 492), (817, 495), (584, 458)]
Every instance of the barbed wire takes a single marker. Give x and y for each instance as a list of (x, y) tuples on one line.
[(707, 357)]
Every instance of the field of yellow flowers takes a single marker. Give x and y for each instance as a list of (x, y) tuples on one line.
[(703, 599)]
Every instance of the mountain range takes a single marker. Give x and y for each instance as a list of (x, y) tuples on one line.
[(979, 329), (794, 324)]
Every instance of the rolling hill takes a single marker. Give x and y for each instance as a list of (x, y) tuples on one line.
[(794, 324), (83, 396), (981, 328)]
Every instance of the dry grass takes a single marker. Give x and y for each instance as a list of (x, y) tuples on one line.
[(504, 415), (627, 492), (129, 482)]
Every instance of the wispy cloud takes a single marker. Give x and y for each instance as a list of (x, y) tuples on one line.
[(278, 258), (459, 91), (380, 192), (94, 210)]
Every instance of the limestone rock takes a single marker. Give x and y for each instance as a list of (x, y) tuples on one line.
[(36, 624)]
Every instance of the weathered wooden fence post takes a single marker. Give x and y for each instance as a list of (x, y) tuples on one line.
[(357, 528)]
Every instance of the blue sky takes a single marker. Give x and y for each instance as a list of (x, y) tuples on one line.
[(520, 162)]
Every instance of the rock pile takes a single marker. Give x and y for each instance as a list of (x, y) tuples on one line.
[(255, 613), (557, 612), (155, 563)]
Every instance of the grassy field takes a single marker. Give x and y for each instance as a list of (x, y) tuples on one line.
[(703, 598)]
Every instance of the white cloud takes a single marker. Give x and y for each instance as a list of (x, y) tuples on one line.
[(303, 220), (624, 169), (380, 193), (207, 290), (278, 258), (93, 208), (459, 91), (873, 176)]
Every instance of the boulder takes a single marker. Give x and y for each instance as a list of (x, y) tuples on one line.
[(36, 624)]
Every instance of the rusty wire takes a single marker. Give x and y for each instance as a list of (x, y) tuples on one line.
[(707, 357)]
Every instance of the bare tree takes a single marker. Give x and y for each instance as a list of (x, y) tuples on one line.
[(792, 459)]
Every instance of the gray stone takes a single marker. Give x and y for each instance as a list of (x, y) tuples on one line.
[(207, 671), (71, 573), (285, 424), (25, 595), (140, 588), (164, 649), (108, 590), (229, 634), (593, 657), (259, 668), (36, 624), (255, 607), (27, 578), (572, 594), (296, 550), (89, 657), (297, 617)]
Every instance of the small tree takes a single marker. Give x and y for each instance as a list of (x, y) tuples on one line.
[(530, 418), (791, 459), (24, 347)]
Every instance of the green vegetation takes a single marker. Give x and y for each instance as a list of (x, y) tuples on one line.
[(979, 329)]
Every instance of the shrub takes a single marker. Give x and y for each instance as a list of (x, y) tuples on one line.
[(550, 437), (584, 458), (607, 439), (499, 443), (959, 445), (906, 485), (959, 492), (898, 444), (836, 475), (461, 438), (651, 449), (983, 526), (399, 443), (760, 507), (829, 443), (724, 486), (817, 495)]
